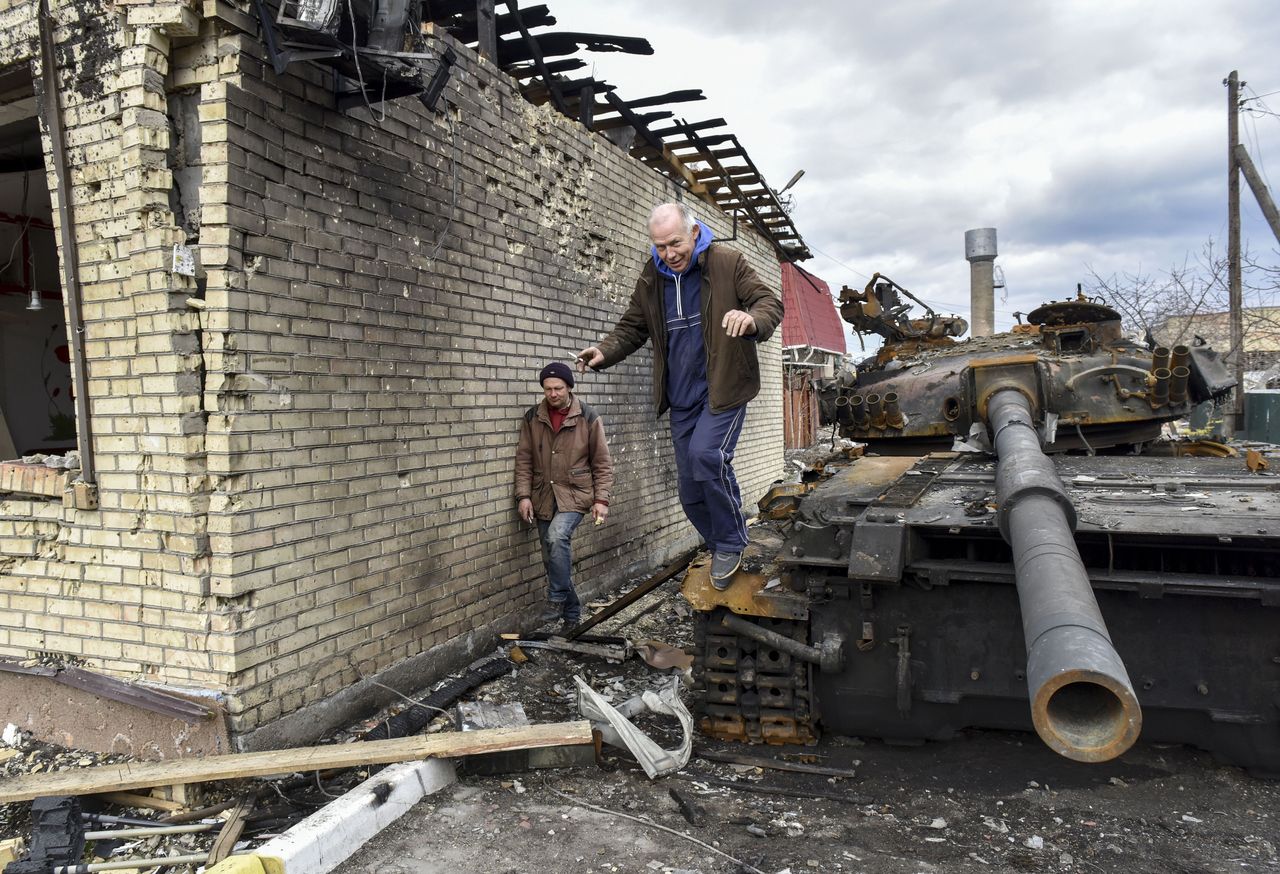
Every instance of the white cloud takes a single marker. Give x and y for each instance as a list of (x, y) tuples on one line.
[(1090, 133)]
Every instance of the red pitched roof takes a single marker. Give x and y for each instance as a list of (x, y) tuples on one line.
[(810, 318)]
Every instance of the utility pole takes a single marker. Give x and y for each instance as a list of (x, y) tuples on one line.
[(1233, 247)]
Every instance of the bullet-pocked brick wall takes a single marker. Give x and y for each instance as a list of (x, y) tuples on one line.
[(307, 454), (123, 588)]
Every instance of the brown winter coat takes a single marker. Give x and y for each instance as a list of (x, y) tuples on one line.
[(568, 470), (728, 283)]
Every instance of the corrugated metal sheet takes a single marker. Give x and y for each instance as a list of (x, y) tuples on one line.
[(811, 318)]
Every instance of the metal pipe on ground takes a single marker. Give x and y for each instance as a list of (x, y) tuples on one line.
[(1178, 384), (133, 864), (1082, 703), (114, 834), (411, 720)]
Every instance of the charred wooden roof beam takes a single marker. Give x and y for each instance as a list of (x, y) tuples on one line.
[(535, 52)]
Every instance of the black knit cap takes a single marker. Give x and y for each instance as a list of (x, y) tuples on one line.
[(559, 370)]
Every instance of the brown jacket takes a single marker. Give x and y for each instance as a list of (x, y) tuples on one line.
[(567, 470), (728, 283)]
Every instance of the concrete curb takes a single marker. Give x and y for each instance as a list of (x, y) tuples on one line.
[(324, 840)]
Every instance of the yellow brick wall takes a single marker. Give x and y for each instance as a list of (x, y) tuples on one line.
[(123, 588), (306, 459)]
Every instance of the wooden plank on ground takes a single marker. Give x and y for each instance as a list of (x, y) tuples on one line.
[(136, 775)]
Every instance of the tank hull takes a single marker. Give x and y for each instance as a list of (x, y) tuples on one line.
[(902, 559)]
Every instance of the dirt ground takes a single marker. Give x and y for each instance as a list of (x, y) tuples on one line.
[(988, 801)]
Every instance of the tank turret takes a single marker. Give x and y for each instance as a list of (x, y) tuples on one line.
[(1093, 387)]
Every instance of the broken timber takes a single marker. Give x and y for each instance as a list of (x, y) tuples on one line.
[(672, 568), (136, 775)]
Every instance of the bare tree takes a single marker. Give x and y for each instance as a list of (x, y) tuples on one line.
[(1192, 300)]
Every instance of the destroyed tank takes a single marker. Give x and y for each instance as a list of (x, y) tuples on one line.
[(1009, 545)]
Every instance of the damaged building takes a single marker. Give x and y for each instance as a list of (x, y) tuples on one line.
[(277, 327)]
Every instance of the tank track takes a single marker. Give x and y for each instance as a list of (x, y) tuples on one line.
[(747, 691)]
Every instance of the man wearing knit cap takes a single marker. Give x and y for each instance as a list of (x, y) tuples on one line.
[(563, 472), (705, 311)]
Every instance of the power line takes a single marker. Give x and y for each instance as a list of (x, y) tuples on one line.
[(1257, 96), (949, 305), (838, 261), (1252, 127)]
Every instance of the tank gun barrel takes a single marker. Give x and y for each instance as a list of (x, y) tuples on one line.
[(1082, 702)]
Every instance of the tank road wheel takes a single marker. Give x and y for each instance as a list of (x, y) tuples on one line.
[(749, 691)]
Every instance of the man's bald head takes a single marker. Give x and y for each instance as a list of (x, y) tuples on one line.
[(665, 214)]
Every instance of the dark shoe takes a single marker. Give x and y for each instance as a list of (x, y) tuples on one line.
[(570, 624), (553, 611), (723, 566)]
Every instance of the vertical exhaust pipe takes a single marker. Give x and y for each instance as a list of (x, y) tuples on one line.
[(875, 410), (1160, 387), (1178, 384), (892, 415), (843, 414), (980, 252), (858, 405), (1181, 357), (1082, 702), (1160, 358)]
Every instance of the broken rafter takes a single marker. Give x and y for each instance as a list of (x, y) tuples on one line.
[(464, 29), (536, 92), (617, 121), (535, 52), (551, 45), (701, 143), (443, 9), (642, 129), (529, 71), (736, 199), (670, 97), (701, 125), (704, 149), (734, 172)]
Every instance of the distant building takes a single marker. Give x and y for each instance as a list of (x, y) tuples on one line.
[(812, 346), (1261, 334)]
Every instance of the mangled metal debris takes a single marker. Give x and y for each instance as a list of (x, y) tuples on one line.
[(616, 728)]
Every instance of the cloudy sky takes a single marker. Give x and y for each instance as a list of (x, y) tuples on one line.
[(1091, 134)]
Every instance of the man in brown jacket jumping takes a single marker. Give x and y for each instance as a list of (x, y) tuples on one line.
[(705, 310), (563, 471)]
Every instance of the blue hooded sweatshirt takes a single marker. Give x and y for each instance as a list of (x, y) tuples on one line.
[(686, 349)]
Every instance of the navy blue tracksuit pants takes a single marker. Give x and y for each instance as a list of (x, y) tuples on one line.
[(704, 443)]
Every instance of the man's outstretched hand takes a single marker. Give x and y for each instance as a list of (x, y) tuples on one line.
[(737, 323), (589, 357)]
